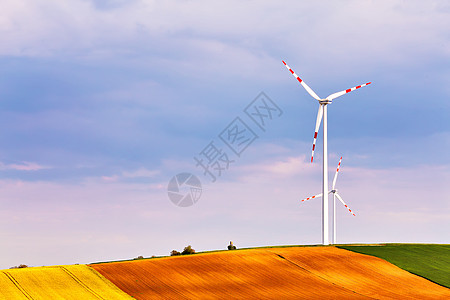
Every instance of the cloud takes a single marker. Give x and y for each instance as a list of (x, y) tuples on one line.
[(113, 178), (401, 189), (276, 167), (23, 166), (141, 173), (231, 36)]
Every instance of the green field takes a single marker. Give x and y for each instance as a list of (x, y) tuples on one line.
[(430, 261)]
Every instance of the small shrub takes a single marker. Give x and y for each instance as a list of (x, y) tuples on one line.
[(188, 250), (174, 253), (19, 266), (139, 257)]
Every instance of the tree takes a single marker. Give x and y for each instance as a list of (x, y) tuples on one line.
[(19, 266), (188, 250), (174, 253)]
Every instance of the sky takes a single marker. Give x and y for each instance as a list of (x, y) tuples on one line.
[(102, 103)]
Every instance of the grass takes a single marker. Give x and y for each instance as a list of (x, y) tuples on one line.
[(203, 252), (431, 261)]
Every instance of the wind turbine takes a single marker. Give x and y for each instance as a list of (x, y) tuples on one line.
[(335, 195), (322, 114)]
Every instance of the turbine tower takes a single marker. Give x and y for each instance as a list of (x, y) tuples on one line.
[(322, 114)]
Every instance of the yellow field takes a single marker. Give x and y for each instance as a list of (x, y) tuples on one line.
[(59, 282)]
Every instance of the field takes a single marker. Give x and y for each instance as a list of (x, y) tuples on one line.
[(429, 261), (288, 272), (59, 282), (270, 273)]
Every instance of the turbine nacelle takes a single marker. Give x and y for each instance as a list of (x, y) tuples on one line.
[(325, 101)]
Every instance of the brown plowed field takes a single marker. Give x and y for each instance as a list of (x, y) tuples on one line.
[(272, 273)]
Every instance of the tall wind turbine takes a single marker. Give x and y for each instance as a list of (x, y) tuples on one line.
[(322, 114), (335, 195)]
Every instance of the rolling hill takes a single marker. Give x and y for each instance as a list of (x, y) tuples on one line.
[(293, 272), (270, 273)]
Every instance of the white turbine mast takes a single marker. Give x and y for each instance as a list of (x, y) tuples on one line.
[(322, 114)]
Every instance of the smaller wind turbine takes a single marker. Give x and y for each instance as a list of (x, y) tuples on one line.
[(335, 195)]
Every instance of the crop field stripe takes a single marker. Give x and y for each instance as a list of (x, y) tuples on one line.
[(82, 283), (317, 275), (17, 284)]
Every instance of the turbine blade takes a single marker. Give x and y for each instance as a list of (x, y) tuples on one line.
[(307, 88), (316, 196), (318, 121), (338, 94), (340, 199), (335, 175)]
